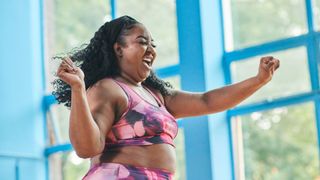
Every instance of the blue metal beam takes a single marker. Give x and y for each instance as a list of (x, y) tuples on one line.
[(113, 7), (166, 72), (313, 59), (22, 116), (213, 51), (198, 161), (267, 48), (265, 105), (309, 15), (48, 101), (57, 148)]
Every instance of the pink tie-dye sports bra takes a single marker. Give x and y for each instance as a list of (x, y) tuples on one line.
[(142, 123)]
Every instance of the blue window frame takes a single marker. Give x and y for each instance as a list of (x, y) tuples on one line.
[(310, 41)]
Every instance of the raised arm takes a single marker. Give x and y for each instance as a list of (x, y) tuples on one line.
[(184, 104), (91, 114)]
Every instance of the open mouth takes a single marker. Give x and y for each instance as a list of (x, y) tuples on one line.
[(148, 62)]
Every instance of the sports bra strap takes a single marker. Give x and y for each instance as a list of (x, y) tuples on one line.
[(156, 97), (127, 89)]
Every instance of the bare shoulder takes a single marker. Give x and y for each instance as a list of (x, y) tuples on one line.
[(172, 93), (105, 88), (106, 92)]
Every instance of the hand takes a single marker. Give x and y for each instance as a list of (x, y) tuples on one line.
[(268, 65), (70, 73)]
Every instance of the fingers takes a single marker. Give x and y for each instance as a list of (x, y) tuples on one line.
[(277, 64), (69, 62), (266, 59), (270, 62), (66, 66)]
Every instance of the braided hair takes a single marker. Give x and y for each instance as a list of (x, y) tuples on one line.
[(98, 60)]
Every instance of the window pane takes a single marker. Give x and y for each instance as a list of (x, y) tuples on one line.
[(59, 122), (180, 173), (278, 144), (67, 27), (67, 166), (293, 69), (159, 16), (174, 81), (253, 22)]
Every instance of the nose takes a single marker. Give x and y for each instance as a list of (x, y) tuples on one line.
[(151, 49)]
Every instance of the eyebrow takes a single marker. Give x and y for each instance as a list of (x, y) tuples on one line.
[(143, 37)]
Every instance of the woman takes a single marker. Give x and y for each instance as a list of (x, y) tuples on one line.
[(123, 116)]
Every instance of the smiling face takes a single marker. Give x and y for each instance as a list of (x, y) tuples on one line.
[(136, 55)]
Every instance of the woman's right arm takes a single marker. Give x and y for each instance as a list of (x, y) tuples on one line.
[(92, 112), (90, 120)]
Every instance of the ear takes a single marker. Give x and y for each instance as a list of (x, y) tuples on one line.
[(117, 49)]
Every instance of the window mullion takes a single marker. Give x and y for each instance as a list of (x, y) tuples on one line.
[(113, 5), (309, 16)]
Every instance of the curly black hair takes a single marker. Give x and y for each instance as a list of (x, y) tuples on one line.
[(98, 60)]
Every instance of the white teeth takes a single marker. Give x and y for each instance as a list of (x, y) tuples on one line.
[(148, 61)]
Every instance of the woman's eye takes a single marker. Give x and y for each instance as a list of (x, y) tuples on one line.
[(144, 42)]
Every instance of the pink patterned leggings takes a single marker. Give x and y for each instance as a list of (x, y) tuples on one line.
[(116, 171)]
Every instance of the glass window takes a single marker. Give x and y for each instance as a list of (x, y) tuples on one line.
[(67, 166), (58, 124), (67, 27), (277, 144), (250, 22), (294, 69), (159, 16), (180, 173), (174, 81)]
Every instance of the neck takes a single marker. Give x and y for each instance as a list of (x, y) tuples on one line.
[(130, 81)]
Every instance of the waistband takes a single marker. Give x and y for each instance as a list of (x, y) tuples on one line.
[(124, 171)]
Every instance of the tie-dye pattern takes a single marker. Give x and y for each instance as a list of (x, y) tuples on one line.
[(142, 123), (117, 171)]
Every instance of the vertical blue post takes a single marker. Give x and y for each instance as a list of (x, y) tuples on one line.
[(207, 138), (198, 164), (22, 89), (213, 50), (313, 59), (113, 6)]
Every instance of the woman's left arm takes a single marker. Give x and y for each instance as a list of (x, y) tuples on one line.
[(185, 104)]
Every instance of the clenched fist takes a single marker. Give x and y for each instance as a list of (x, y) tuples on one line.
[(70, 73), (268, 65)]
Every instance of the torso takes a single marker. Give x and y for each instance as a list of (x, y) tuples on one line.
[(161, 156)]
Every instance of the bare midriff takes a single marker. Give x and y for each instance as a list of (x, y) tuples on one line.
[(160, 156)]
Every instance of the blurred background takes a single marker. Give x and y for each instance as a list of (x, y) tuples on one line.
[(201, 45)]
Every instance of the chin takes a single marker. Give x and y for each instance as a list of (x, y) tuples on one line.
[(145, 76)]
